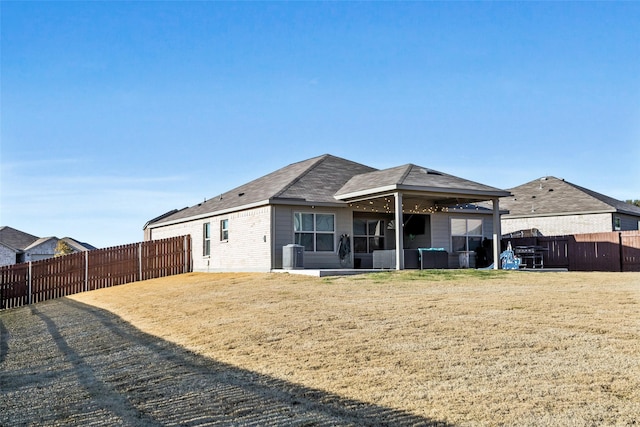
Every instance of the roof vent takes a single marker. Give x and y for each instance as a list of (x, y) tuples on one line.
[(240, 194)]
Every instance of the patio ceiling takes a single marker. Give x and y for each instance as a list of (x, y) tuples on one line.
[(414, 204)]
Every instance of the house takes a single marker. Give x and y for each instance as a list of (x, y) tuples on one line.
[(17, 246), (341, 213), (551, 206)]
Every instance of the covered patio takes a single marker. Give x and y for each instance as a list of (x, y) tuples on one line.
[(412, 189)]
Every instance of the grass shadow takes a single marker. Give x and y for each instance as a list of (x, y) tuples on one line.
[(76, 364)]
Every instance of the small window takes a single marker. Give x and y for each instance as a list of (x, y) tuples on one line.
[(617, 225), (224, 230), (206, 239), (316, 232)]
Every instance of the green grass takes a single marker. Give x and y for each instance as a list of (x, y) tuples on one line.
[(437, 275)]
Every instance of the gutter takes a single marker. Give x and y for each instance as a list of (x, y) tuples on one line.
[(274, 201), (423, 191)]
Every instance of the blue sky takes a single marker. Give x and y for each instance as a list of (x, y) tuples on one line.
[(115, 112)]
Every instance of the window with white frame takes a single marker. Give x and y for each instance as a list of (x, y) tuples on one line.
[(206, 239), (224, 230), (368, 235), (617, 223), (314, 231), (466, 234)]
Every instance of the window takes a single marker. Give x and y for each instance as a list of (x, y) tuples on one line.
[(466, 234), (206, 239), (224, 229), (617, 225), (316, 232), (368, 235)]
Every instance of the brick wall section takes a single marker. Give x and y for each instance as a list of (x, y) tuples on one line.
[(7, 256), (560, 225), (248, 246)]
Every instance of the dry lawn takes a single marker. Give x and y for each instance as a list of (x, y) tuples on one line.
[(464, 347), (457, 347)]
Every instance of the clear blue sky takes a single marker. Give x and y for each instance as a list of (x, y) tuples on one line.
[(116, 112)]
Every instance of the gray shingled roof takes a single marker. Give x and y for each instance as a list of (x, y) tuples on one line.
[(413, 177), (77, 245), (16, 239), (40, 241), (315, 180), (332, 180), (550, 195)]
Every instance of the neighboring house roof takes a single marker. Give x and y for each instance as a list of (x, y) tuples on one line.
[(20, 241), (39, 242), (10, 248), (16, 239), (550, 196), (78, 246), (330, 180)]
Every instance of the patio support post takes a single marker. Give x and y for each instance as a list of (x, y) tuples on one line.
[(399, 231), (497, 233)]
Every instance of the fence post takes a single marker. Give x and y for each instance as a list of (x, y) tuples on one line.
[(620, 250), (86, 271), (140, 261), (185, 254), (29, 282)]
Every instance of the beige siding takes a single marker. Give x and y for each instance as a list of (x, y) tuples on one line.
[(441, 230), (284, 231), (248, 246), (560, 225)]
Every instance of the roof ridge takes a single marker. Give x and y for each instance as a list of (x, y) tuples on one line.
[(608, 200), (409, 167), (319, 159)]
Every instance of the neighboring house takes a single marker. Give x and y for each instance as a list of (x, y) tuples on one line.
[(13, 243), (551, 207), (43, 248), (17, 246), (324, 202), (7, 254)]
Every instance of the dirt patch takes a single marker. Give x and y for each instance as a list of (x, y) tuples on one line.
[(466, 348)]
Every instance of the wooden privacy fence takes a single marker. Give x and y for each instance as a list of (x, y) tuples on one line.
[(613, 251), (38, 281)]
